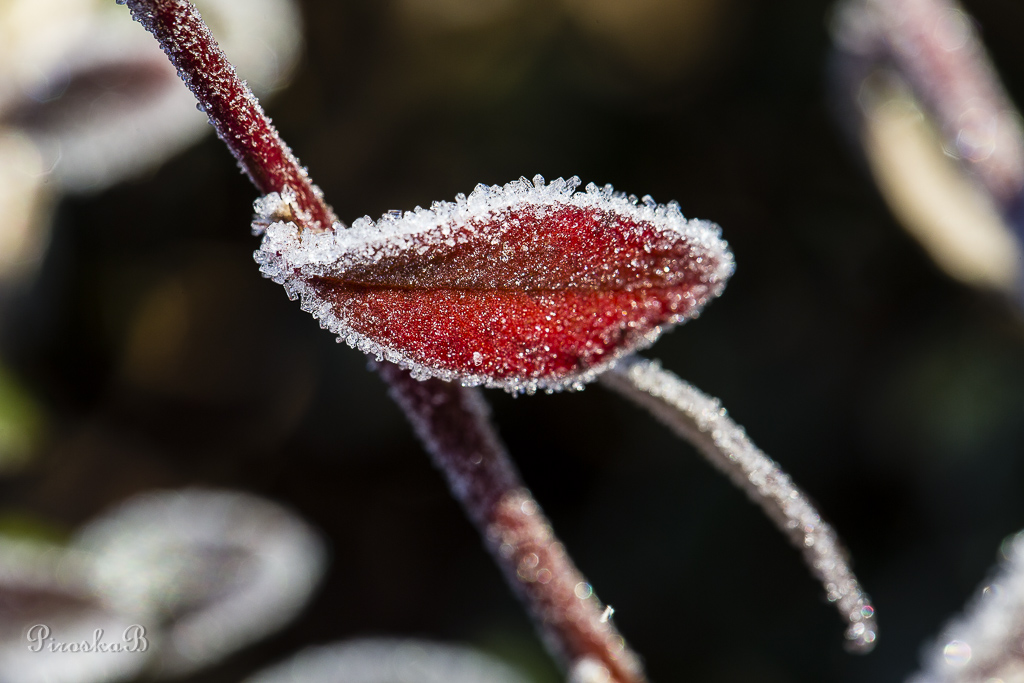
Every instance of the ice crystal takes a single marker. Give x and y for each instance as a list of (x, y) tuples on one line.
[(527, 286)]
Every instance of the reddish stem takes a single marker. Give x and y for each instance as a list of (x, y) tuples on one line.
[(450, 419), (453, 422), (233, 109)]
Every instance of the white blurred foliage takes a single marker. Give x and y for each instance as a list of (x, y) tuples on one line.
[(204, 573), (34, 39), (26, 199), (87, 99), (390, 661), (139, 112), (986, 643), (927, 190), (220, 569), (43, 585)]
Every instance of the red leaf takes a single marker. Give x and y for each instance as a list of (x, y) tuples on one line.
[(525, 286)]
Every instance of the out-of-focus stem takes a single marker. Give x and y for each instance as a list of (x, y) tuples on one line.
[(984, 643), (933, 46), (233, 109), (453, 422), (703, 421)]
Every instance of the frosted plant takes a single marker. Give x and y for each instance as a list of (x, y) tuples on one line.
[(379, 660), (524, 286), (986, 644)]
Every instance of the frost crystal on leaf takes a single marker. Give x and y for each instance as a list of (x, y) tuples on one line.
[(527, 286)]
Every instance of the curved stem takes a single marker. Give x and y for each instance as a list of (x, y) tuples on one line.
[(453, 422), (703, 421), (233, 110)]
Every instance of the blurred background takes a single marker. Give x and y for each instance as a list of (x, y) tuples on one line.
[(144, 351)]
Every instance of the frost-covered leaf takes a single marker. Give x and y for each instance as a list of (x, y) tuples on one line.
[(525, 286)]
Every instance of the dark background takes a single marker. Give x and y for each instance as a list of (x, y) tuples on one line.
[(892, 394)]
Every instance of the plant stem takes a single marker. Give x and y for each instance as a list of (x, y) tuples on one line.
[(451, 420), (701, 420), (233, 109), (935, 48)]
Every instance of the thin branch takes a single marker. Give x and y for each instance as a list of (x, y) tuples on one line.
[(453, 422), (701, 420), (233, 110), (450, 419)]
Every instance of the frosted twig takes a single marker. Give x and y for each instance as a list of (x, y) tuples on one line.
[(985, 644), (703, 421), (934, 47), (233, 109), (453, 423)]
